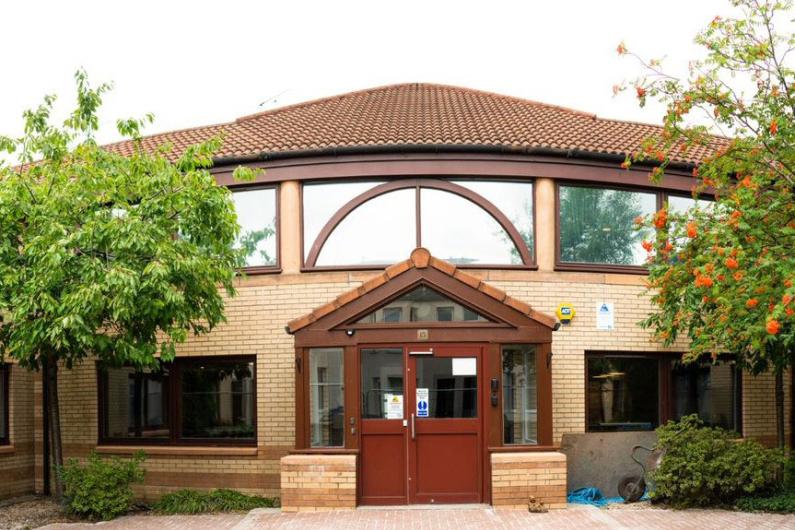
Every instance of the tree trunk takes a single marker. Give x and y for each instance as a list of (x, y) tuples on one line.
[(780, 408), (51, 372)]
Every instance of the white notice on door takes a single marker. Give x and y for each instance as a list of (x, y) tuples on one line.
[(465, 366), (393, 406), (422, 403)]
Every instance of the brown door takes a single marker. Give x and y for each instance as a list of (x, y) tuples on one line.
[(421, 425), (445, 427)]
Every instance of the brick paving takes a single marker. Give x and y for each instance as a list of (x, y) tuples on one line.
[(463, 518)]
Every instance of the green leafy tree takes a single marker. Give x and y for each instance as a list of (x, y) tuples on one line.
[(104, 256), (723, 276)]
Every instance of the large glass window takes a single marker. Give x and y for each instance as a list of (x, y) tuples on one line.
[(136, 404), (382, 383), (597, 225), (217, 399), (459, 231), (256, 214), (326, 397), (623, 393), (709, 390), (383, 229), (4, 377), (422, 304), (519, 395), (378, 232), (190, 400)]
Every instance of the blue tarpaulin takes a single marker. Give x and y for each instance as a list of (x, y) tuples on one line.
[(593, 497)]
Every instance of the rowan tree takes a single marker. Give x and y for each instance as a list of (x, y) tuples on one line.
[(723, 274)]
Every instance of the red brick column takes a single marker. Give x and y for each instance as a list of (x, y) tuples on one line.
[(318, 482), (515, 477)]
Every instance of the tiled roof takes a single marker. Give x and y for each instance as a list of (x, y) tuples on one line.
[(420, 259), (417, 115)]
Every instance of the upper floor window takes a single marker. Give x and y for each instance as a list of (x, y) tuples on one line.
[(256, 215), (422, 304), (467, 222), (597, 225)]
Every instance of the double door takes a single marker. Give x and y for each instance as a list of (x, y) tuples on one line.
[(421, 424)]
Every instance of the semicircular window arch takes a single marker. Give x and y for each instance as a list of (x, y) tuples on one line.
[(451, 219)]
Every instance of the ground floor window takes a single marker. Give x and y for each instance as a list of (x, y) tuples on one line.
[(639, 392), (190, 400), (326, 397), (519, 395), (4, 378)]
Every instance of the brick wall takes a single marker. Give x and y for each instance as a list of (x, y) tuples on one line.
[(16, 459), (318, 482), (515, 477), (256, 326)]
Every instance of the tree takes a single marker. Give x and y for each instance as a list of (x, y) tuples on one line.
[(104, 256), (723, 276)]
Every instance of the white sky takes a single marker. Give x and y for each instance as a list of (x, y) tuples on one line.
[(196, 63)]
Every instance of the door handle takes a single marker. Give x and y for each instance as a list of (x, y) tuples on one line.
[(413, 433)]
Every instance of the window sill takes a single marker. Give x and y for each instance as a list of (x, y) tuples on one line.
[(176, 450), (602, 268), (325, 451), (523, 448), (7, 449), (256, 271)]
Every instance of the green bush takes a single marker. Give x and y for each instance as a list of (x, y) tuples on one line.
[(222, 500), (782, 502), (100, 489), (705, 466)]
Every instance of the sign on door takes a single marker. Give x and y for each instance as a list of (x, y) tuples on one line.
[(422, 403)]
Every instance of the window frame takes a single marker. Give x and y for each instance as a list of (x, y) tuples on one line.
[(5, 396), (309, 399), (175, 408), (541, 389), (661, 199), (665, 405), (441, 183), (277, 266)]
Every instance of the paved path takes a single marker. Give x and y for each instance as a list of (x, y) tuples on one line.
[(469, 518)]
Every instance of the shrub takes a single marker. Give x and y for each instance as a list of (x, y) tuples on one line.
[(705, 466), (782, 502), (222, 500), (100, 489)]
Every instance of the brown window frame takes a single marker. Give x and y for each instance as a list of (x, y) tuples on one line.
[(277, 266), (665, 405), (661, 199), (5, 375), (443, 183), (174, 420), (543, 360)]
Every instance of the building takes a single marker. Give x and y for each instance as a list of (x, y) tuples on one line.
[(394, 339)]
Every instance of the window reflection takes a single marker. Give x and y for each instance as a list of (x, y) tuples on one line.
[(3, 402), (520, 395), (136, 404), (256, 215), (514, 200), (597, 225), (382, 383), (422, 304), (623, 393), (711, 391), (326, 399), (451, 394)]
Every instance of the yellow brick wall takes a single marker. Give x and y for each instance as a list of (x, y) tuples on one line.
[(16, 459), (516, 477), (257, 317), (318, 483)]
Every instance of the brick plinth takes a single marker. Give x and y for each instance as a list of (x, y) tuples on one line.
[(318, 482), (515, 477)]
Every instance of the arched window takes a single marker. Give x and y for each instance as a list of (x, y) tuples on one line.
[(476, 223)]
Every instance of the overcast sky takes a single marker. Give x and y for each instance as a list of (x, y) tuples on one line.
[(196, 63)]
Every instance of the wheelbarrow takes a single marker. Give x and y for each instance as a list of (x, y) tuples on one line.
[(632, 487)]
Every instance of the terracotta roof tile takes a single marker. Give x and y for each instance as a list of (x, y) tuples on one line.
[(416, 115), (420, 259)]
